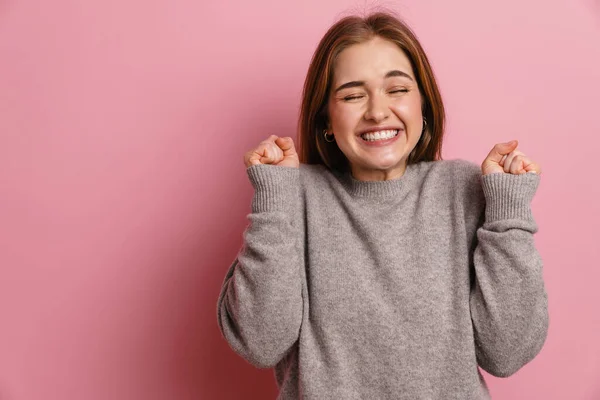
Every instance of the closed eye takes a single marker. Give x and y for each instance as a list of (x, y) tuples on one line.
[(348, 98)]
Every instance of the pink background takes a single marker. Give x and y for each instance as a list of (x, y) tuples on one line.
[(123, 195)]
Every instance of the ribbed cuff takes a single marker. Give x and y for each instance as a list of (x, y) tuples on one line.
[(509, 196), (276, 188)]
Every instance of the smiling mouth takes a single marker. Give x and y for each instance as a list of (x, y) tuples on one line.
[(380, 135)]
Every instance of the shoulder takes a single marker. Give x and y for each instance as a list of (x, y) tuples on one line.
[(456, 170), (312, 169), (314, 174), (461, 174), (460, 178), (317, 181)]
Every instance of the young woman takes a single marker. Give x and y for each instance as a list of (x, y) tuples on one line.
[(371, 268)]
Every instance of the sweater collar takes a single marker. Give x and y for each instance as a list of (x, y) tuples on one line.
[(380, 189)]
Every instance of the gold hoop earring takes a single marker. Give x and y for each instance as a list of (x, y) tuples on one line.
[(326, 138)]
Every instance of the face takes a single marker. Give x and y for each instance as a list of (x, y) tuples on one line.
[(374, 109)]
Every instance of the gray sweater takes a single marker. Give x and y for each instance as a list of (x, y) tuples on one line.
[(395, 289)]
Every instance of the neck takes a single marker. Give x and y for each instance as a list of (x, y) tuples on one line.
[(362, 174)]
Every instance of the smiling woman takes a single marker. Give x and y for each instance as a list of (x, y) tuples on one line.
[(371, 268), (377, 72)]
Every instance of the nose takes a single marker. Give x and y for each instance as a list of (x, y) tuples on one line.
[(377, 109)]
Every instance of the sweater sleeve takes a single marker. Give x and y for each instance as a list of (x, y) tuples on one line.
[(508, 301), (260, 306)]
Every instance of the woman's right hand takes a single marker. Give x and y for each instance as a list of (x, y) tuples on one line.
[(274, 151)]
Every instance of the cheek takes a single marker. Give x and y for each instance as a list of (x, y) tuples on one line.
[(409, 110), (333, 113), (342, 118)]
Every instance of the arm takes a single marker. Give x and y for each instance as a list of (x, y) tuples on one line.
[(509, 306), (260, 304)]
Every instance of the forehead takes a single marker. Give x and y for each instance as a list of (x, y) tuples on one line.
[(370, 60)]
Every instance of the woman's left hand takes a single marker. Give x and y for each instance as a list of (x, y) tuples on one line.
[(505, 158)]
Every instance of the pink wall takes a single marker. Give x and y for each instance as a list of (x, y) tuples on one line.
[(123, 193)]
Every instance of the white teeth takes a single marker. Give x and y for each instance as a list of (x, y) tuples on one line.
[(372, 136)]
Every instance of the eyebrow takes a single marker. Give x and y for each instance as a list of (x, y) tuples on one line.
[(362, 83)]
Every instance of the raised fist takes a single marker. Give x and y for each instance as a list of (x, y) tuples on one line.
[(505, 158), (274, 151)]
